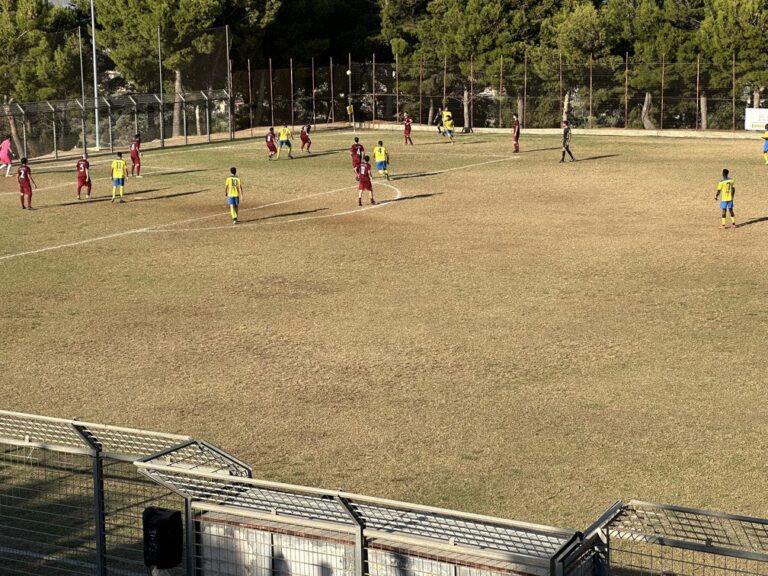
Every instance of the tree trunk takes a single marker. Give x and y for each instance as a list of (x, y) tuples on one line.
[(520, 107), (177, 104), (467, 123), (703, 112), (756, 98), (645, 113), (17, 143), (198, 130), (431, 113), (566, 106)]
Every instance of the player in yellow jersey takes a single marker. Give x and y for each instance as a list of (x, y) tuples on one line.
[(765, 144), (449, 127), (726, 190), (233, 190), (118, 176), (381, 157), (284, 139)]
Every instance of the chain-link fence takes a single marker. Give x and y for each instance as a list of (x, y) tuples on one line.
[(73, 497)]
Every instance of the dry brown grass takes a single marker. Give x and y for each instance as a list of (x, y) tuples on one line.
[(523, 338)]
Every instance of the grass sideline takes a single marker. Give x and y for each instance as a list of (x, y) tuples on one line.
[(502, 335)]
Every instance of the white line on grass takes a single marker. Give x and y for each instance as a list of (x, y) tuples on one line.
[(162, 227)]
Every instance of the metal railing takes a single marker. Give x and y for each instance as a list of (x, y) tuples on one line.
[(72, 496)]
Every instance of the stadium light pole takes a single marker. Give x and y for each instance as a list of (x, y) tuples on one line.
[(95, 77), (82, 82)]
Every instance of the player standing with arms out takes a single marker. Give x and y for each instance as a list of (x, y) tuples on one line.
[(136, 156), (84, 176), (407, 128), (24, 177), (119, 169), (5, 156), (233, 190), (726, 190), (765, 145), (356, 152), (364, 179), (270, 140), (567, 142), (381, 156), (305, 140), (284, 139), (516, 132)]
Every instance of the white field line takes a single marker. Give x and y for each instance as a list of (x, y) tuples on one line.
[(73, 182), (161, 227)]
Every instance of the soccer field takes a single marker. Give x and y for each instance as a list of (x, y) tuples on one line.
[(502, 334)]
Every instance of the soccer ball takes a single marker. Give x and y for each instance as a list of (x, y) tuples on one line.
[(349, 72)]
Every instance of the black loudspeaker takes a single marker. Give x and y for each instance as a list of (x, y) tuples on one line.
[(163, 537)]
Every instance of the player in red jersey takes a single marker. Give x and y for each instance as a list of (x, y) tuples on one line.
[(136, 155), (357, 151), (305, 140), (24, 177), (270, 140), (84, 176), (516, 132), (364, 179), (407, 128)]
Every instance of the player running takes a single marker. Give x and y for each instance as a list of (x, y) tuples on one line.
[(364, 179), (84, 176), (567, 142), (728, 191), (233, 190), (6, 156), (356, 152), (439, 120), (305, 139), (24, 177), (516, 132), (119, 170), (407, 128), (270, 140), (284, 136), (765, 145), (381, 156), (448, 127), (136, 156)]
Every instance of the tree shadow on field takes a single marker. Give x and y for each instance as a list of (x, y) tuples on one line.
[(413, 197), (283, 215), (753, 221), (588, 158)]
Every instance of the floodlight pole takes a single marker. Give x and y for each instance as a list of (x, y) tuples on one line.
[(95, 76), (82, 81), (162, 100)]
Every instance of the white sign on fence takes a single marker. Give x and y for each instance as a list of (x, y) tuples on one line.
[(755, 118)]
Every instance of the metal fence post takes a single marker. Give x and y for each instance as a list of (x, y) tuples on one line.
[(562, 103), (53, 124), (271, 95), (421, 79), (445, 81), (590, 90), (23, 129), (184, 117), (661, 121), (698, 73), (250, 96), (373, 92), (332, 115), (231, 102), (626, 89), (109, 123), (290, 63), (733, 93), (190, 563), (207, 115), (501, 86), (361, 554), (160, 68), (314, 108), (471, 92), (525, 86), (397, 87)]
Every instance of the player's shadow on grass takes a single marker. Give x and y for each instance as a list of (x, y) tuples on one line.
[(588, 158), (127, 194), (283, 215), (412, 197), (753, 221), (414, 175), (305, 156)]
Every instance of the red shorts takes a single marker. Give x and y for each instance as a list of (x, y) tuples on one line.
[(25, 190), (355, 161), (83, 181), (304, 138), (365, 185), (272, 147), (135, 158), (407, 131)]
